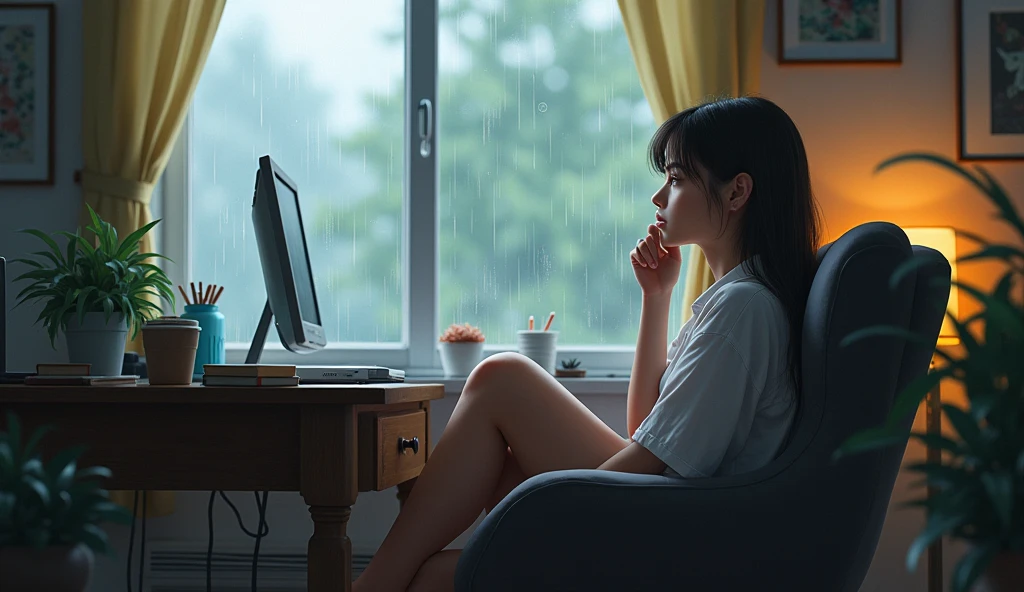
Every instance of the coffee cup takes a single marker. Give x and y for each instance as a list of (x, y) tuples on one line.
[(170, 344)]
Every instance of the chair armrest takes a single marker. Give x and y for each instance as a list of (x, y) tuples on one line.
[(602, 530)]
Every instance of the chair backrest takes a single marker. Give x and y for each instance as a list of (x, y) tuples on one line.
[(849, 388)]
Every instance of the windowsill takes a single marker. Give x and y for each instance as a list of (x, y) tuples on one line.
[(608, 385)]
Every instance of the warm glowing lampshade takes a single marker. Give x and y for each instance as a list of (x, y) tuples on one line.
[(942, 240)]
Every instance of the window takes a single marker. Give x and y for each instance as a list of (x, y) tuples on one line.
[(318, 86), (542, 185)]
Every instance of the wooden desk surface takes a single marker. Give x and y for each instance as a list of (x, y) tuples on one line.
[(312, 394), (306, 439)]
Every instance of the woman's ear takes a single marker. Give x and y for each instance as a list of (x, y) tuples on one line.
[(739, 191)]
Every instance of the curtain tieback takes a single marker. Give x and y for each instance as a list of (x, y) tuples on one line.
[(127, 189)]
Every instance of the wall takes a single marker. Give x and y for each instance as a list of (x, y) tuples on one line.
[(48, 208), (851, 118)]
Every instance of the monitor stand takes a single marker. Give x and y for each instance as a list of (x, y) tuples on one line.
[(259, 339)]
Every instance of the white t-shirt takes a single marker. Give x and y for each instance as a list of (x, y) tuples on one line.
[(726, 399)]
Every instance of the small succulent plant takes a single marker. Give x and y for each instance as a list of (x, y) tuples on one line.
[(462, 333), (571, 364)]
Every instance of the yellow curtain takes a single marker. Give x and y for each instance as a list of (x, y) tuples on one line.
[(141, 63), (689, 51)]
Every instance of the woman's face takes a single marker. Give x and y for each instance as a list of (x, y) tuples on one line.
[(685, 216)]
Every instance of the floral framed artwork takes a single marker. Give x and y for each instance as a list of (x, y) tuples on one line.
[(26, 93), (990, 79), (839, 31)]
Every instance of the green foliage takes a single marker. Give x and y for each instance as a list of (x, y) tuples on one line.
[(110, 277), (980, 489), (51, 503), (570, 364)]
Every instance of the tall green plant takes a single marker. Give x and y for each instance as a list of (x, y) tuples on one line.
[(102, 275), (54, 502), (979, 489)]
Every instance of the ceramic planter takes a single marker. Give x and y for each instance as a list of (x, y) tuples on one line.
[(97, 341), (53, 569), (458, 358)]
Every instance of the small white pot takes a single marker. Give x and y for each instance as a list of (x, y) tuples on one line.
[(460, 357)]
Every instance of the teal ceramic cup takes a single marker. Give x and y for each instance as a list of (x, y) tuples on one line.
[(211, 337)]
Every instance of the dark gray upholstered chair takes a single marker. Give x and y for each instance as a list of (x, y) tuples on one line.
[(803, 522)]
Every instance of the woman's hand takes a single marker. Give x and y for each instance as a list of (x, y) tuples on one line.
[(656, 267)]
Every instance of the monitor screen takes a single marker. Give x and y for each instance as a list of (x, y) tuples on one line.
[(295, 242)]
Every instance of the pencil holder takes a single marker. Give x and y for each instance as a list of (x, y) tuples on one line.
[(211, 338), (539, 346)]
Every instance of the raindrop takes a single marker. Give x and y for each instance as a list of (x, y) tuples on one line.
[(542, 107)]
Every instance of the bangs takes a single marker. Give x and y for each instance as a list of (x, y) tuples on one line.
[(673, 146)]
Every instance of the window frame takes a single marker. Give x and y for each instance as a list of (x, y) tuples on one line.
[(417, 352)]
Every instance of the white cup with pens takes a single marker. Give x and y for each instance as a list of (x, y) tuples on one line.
[(540, 345)]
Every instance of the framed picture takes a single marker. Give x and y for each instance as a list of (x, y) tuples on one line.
[(26, 93), (990, 79), (839, 31)]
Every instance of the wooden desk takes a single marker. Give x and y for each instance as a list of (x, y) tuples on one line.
[(328, 442)]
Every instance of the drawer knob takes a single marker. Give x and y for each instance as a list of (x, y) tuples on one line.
[(404, 444)]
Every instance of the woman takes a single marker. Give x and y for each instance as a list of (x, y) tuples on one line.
[(736, 185)]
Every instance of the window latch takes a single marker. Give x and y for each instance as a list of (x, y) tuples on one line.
[(426, 120)]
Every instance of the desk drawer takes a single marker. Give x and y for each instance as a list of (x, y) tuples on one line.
[(393, 447)]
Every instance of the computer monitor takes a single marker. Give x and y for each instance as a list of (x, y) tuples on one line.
[(284, 257)]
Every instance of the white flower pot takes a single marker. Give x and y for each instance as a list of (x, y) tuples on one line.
[(98, 342), (460, 357)]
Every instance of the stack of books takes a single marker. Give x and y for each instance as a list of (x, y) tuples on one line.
[(249, 375), (75, 375)]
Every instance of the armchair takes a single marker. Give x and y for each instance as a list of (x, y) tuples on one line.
[(803, 522)]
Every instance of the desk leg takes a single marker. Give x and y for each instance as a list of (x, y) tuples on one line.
[(330, 550), (404, 488)]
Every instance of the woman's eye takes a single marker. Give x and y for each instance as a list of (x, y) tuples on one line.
[(673, 180)]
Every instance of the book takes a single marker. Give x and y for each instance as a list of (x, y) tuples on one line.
[(63, 369), (250, 370), (130, 380), (209, 380)]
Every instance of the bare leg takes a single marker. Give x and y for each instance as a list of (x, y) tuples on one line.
[(437, 574), (511, 476), (509, 403)]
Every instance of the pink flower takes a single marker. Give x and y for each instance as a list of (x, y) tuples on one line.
[(461, 333)]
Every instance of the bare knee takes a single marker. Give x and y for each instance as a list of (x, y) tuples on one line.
[(496, 370)]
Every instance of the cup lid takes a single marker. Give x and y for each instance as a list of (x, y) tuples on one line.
[(171, 321)]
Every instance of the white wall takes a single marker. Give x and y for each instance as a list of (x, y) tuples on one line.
[(851, 118)]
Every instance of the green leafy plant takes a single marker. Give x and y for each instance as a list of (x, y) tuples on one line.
[(51, 503), (571, 364), (979, 489), (110, 277)]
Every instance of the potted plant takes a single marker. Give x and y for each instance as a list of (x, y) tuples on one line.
[(50, 514), (570, 369), (979, 489), (461, 348), (95, 291)]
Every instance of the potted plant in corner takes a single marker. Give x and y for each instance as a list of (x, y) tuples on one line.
[(979, 489), (50, 514), (461, 348), (95, 291), (570, 369)]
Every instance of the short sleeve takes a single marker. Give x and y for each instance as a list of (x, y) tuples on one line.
[(703, 401)]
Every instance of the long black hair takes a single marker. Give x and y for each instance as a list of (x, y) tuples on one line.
[(781, 224)]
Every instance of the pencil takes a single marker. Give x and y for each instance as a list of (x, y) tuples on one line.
[(194, 297), (183, 294), (551, 317), (217, 296), (209, 292), (201, 293), (531, 322)]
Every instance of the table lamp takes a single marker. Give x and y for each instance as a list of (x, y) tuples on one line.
[(942, 240)]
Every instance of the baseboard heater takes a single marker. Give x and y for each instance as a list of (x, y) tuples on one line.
[(181, 567)]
